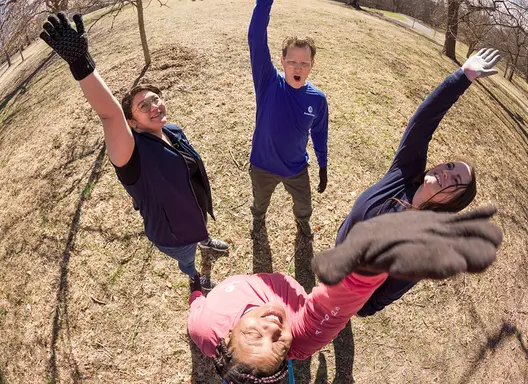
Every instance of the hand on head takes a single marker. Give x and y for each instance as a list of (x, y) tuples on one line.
[(414, 245), (481, 64)]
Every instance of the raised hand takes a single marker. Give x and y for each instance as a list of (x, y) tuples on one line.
[(70, 44), (481, 64), (414, 245)]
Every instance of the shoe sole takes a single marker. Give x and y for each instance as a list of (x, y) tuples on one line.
[(213, 248)]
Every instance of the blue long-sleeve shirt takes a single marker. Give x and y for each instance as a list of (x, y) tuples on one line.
[(285, 115), (410, 159)]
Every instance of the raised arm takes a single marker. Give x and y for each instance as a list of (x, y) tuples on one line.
[(72, 46), (412, 245), (327, 310), (261, 64), (419, 132)]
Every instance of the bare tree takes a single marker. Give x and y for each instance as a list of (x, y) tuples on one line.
[(475, 27), (354, 3), (55, 6), (451, 29), (118, 5)]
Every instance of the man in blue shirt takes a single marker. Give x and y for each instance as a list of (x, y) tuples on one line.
[(288, 109)]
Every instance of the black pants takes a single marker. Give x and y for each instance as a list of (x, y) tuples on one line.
[(388, 292)]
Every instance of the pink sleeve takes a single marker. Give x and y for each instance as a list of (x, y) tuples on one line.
[(197, 325), (327, 310), (194, 296)]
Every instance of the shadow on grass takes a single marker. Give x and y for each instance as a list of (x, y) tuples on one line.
[(344, 355), (60, 319), (143, 71), (203, 370), (517, 119), (21, 88), (262, 260), (492, 344), (305, 276), (2, 378)]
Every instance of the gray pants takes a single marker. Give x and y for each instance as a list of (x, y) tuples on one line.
[(298, 187)]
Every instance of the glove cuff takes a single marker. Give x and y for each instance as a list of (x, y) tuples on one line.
[(82, 67)]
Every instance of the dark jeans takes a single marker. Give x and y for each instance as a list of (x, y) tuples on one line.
[(298, 187), (388, 292)]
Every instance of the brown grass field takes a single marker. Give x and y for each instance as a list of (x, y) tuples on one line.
[(85, 298)]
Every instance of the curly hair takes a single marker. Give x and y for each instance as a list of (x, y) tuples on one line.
[(294, 41), (126, 102), (239, 373)]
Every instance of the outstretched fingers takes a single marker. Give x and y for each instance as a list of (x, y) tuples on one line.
[(64, 20), (493, 59), (79, 23), (484, 212), (487, 53), (46, 37)]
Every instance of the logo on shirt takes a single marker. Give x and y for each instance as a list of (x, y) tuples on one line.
[(310, 112)]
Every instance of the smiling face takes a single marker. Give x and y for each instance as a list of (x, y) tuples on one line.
[(261, 338), (442, 183), (297, 64), (148, 112)]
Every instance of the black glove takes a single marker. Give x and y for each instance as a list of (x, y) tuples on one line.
[(69, 44), (414, 245), (323, 179)]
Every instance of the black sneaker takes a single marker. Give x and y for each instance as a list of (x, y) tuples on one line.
[(305, 227), (214, 244), (207, 284)]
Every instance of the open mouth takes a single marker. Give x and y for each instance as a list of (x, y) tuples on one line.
[(274, 317), (156, 115), (297, 78), (438, 179)]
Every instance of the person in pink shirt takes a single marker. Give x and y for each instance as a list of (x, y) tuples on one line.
[(252, 324)]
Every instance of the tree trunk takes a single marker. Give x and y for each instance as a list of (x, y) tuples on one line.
[(354, 3), (451, 30), (513, 66), (142, 33), (8, 59), (471, 49)]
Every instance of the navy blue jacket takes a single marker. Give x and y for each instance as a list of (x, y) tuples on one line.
[(164, 194), (400, 180)]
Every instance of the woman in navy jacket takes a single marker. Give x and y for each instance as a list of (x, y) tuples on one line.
[(448, 187), (154, 161)]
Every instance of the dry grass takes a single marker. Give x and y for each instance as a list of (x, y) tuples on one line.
[(83, 297)]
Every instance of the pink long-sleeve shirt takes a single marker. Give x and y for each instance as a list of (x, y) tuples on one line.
[(315, 319)]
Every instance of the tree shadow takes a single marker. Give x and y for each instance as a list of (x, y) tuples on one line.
[(142, 73), (60, 319), (21, 88), (518, 119), (262, 260), (492, 344), (306, 277)]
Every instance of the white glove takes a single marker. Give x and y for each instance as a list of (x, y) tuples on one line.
[(481, 64)]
